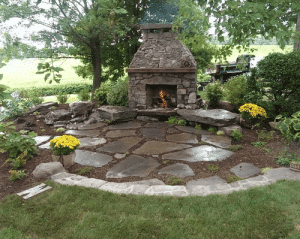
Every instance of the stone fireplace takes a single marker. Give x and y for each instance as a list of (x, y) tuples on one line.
[(162, 73)]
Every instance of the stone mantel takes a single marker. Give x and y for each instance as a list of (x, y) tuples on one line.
[(155, 70)]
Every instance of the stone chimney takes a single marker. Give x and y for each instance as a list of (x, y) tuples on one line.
[(162, 63)]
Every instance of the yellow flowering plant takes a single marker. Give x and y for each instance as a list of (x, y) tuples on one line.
[(64, 145), (253, 112)]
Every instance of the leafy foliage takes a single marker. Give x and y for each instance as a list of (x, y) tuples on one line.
[(214, 93), (289, 127), (62, 98), (84, 95), (172, 120), (100, 93), (253, 18), (235, 90), (280, 76), (50, 70), (14, 143), (236, 135), (118, 94)]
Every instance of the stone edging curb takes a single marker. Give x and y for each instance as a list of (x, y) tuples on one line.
[(155, 187)]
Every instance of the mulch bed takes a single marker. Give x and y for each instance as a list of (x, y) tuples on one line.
[(248, 154)]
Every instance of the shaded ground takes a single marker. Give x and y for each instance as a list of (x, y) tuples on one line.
[(248, 154)]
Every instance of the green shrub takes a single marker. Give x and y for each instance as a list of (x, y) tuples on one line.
[(237, 135), (100, 93), (118, 95), (220, 132), (84, 95), (62, 98), (235, 90), (289, 127), (35, 96), (203, 77), (15, 107), (54, 89), (198, 126), (182, 122), (172, 120), (214, 93), (212, 129), (280, 76), (14, 143)]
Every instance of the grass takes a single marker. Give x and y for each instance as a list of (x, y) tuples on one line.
[(270, 211), (261, 51)]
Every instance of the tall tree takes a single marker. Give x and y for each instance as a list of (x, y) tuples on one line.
[(244, 20), (92, 24)]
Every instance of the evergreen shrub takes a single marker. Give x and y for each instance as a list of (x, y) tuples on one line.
[(100, 93), (235, 90), (280, 74), (118, 95), (214, 93)]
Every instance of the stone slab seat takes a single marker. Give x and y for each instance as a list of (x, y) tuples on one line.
[(117, 112), (216, 117)]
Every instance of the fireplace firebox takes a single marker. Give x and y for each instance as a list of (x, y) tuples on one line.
[(162, 73)]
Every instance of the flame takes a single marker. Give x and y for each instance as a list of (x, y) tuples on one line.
[(161, 95)]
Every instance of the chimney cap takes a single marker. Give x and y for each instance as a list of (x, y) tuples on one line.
[(156, 26)]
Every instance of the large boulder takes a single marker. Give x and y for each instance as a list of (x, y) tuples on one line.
[(216, 117), (45, 170), (42, 107), (117, 112), (81, 108), (57, 115)]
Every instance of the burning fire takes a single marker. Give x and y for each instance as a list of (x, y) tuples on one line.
[(161, 96)]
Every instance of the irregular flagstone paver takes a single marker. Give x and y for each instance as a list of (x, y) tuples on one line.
[(159, 147), (134, 165), (120, 146), (205, 181), (47, 145), (92, 126), (216, 117), (158, 125), (119, 156), (127, 125), (245, 170), (282, 173), (41, 139), (88, 158), (117, 112), (189, 129), (166, 190), (172, 130), (183, 138), (90, 133), (216, 140), (153, 133), (120, 133), (178, 169), (198, 154), (84, 142), (125, 188)]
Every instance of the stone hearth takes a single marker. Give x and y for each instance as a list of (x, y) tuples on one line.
[(162, 63)]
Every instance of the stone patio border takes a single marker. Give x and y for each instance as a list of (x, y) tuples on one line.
[(153, 187)]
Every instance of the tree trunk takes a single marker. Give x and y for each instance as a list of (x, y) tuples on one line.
[(96, 62), (297, 42)]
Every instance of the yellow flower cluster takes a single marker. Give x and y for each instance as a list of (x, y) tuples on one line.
[(65, 141), (253, 109)]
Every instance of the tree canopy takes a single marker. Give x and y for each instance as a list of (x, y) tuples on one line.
[(244, 20)]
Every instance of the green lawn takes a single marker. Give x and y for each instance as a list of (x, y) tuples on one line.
[(270, 211), (261, 51)]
